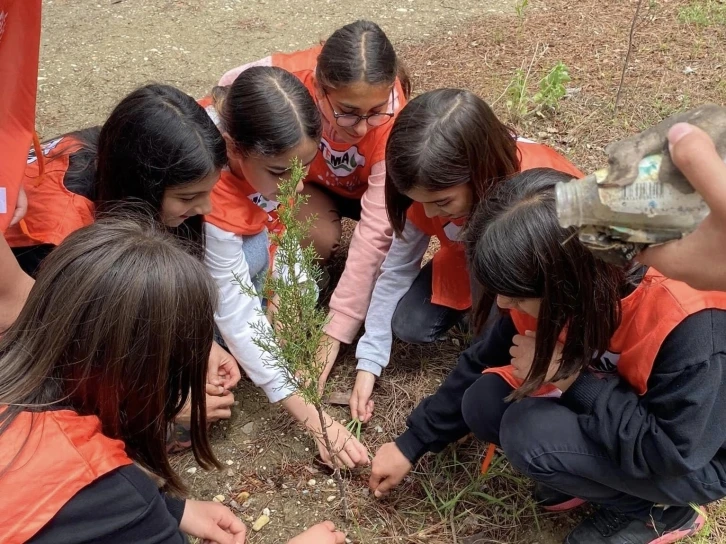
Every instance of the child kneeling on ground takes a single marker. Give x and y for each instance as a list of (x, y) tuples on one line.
[(617, 374)]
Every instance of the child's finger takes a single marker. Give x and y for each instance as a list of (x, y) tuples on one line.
[(352, 451), (530, 334), (354, 406), (343, 457), (694, 153)]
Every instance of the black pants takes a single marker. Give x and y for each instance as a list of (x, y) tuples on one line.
[(417, 320), (543, 440)]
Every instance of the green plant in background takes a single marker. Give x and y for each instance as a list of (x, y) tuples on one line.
[(701, 13), (517, 101), (520, 8), (290, 342), (552, 89)]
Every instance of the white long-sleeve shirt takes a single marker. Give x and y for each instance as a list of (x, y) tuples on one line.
[(238, 314), (398, 272)]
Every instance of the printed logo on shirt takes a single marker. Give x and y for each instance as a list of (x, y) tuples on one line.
[(607, 363), (341, 163), (262, 202), (47, 148)]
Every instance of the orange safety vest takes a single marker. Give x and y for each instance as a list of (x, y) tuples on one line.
[(341, 168), (235, 207), (19, 46), (649, 314), (450, 282), (45, 459), (54, 212)]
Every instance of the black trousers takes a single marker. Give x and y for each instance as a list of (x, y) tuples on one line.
[(543, 440), (417, 320)]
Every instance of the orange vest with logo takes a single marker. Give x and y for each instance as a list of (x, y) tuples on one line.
[(45, 459), (450, 284), (19, 46), (649, 314), (339, 167), (54, 212)]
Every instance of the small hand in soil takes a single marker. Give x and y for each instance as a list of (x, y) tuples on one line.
[(323, 533), (388, 469), (361, 405), (212, 521), (351, 453), (218, 406)]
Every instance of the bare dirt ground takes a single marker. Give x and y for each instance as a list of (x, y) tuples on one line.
[(96, 51)]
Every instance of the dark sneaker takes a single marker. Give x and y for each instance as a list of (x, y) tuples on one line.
[(554, 501), (665, 525)]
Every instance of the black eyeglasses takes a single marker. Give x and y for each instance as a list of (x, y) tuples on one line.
[(348, 120)]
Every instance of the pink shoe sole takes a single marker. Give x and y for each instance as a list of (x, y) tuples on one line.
[(675, 536), (565, 506)]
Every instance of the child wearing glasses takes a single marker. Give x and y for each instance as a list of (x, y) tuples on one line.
[(358, 85)]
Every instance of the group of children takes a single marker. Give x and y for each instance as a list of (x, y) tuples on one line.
[(602, 383)]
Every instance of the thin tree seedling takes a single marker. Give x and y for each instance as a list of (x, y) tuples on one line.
[(290, 342)]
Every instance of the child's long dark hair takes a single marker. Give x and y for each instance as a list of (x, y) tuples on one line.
[(516, 248), (441, 139), (119, 324), (155, 138), (360, 52), (267, 111)]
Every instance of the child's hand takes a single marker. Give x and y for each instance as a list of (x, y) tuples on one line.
[(222, 372), (322, 533), (388, 469), (361, 405), (522, 352), (699, 258), (21, 206), (212, 522), (218, 407), (350, 452)]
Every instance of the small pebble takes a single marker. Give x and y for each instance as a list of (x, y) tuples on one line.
[(331, 498), (229, 462), (192, 470), (330, 482), (379, 429), (311, 482), (266, 512), (242, 497), (260, 523), (218, 498)]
